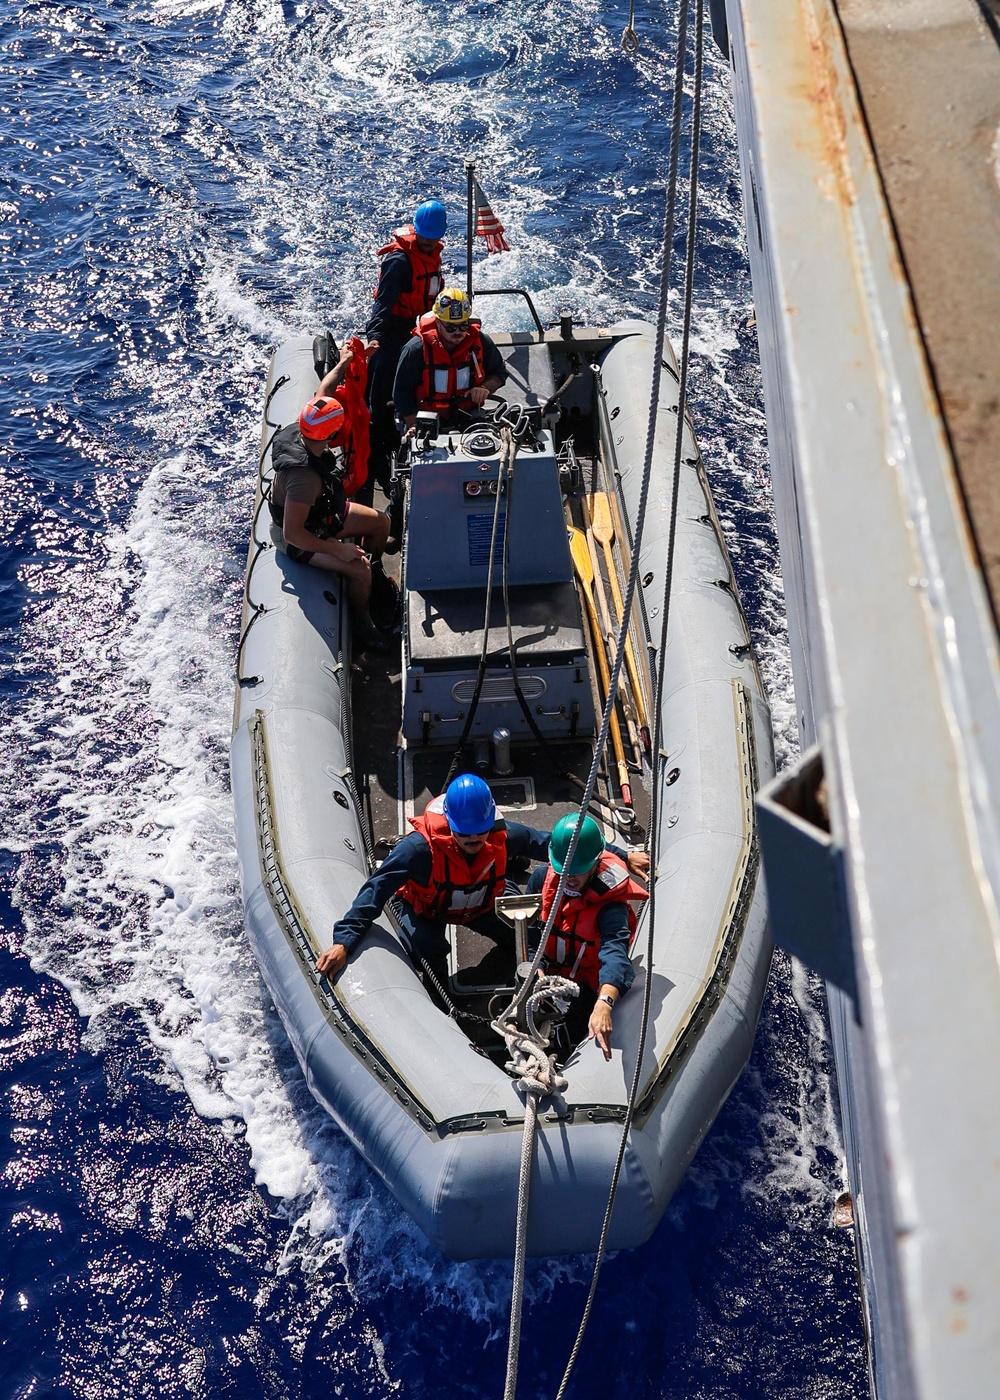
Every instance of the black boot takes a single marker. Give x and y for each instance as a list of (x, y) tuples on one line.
[(367, 637), (386, 601), (395, 512)]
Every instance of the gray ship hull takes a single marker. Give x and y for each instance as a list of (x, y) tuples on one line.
[(882, 849)]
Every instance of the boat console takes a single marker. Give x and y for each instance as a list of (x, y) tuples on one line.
[(536, 639)]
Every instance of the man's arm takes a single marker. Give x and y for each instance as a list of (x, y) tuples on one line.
[(336, 375), (495, 370), (616, 972), (636, 859), (527, 842), (406, 385), (613, 956), (411, 859), (395, 278)]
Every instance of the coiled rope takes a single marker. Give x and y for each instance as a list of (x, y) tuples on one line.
[(630, 40), (602, 740)]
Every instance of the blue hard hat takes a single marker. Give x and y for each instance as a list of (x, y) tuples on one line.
[(469, 805), (430, 219)]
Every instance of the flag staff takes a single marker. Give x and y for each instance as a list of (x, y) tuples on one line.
[(470, 170)]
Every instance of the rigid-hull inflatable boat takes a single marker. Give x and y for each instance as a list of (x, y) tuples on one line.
[(329, 759)]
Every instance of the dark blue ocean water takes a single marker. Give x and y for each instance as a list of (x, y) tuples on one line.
[(185, 183)]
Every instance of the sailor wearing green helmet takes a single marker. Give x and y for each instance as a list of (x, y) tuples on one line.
[(595, 924)]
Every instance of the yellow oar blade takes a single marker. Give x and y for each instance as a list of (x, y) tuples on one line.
[(600, 510), (580, 551)]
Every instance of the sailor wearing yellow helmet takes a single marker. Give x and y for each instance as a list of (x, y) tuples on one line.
[(450, 366)]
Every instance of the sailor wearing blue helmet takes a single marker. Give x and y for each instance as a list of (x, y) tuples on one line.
[(450, 869), (409, 281), (430, 220)]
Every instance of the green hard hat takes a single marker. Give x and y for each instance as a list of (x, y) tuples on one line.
[(589, 848)]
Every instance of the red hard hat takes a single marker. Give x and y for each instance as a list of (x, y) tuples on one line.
[(322, 418)]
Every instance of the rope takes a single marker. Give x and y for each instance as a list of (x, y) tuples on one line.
[(538, 1078), (506, 456), (454, 1012), (602, 738), (520, 1244), (263, 496), (630, 40), (540, 737), (661, 662)]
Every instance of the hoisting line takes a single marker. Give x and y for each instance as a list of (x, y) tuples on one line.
[(658, 754), (539, 1077), (505, 466), (516, 1008)]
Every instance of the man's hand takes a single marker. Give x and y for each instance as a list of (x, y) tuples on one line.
[(333, 961), (638, 863), (599, 1027), (480, 394), (349, 553), (370, 348)]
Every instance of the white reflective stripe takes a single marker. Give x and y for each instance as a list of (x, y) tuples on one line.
[(441, 380), (462, 375), (436, 804), (579, 960), (562, 949), (467, 899), (435, 283)]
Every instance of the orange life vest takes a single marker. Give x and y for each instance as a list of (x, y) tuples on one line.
[(461, 887), (426, 269), (353, 437), (449, 374), (574, 944)]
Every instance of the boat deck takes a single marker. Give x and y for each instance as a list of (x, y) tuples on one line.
[(928, 79), (397, 781)]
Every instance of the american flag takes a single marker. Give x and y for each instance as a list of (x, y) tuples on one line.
[(488, 226)]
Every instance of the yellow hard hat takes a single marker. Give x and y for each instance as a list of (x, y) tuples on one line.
[(453, 306)]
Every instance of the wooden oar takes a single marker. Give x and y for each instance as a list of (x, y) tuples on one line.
[(585, 573), (604, 533), (611, 637), (621, 539)]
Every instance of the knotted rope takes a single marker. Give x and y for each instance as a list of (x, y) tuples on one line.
[(538, 1078)]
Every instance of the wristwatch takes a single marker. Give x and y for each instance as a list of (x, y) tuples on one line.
[(603, 996)]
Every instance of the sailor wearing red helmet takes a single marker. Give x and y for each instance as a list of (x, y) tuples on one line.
[(311, 517)]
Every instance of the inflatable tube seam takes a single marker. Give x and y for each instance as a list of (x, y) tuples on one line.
[(303, 943), (730, 936)]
